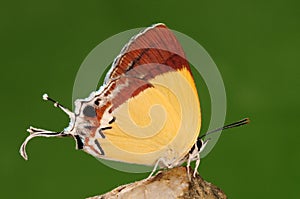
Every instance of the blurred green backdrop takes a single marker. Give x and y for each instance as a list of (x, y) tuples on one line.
[(255, 44)]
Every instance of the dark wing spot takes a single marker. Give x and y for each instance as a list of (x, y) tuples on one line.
[(89, 111), (137, 59), (79, 143), (112, 120), (97, 102), (99, 147), (106, 128), (101, 134), (199, 144)]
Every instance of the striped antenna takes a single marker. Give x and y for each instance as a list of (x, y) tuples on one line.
[(232, 125), (56, 104)]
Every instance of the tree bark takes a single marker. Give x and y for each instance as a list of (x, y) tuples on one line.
[(167, 184)]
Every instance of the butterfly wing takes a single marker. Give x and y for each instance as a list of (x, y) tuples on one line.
[(151, 95), (156, 44)]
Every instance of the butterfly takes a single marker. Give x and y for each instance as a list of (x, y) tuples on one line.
[(146, 112)]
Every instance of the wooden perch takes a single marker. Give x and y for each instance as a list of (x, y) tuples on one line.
[(167, 184)]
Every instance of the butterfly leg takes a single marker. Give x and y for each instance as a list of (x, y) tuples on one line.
[(154, 168), (160, 160), (197, 164), (195, 155), (188, 166)]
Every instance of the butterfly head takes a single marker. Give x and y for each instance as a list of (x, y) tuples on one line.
[(83, 122)]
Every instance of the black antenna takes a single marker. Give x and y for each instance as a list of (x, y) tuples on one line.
[(232, 125)]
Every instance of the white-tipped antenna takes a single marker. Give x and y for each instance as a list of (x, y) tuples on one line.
[(56, 104), (35, 132)]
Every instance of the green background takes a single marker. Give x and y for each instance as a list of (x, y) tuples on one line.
[(255, 44)]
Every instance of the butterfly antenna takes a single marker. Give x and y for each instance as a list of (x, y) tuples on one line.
[(56, 104), (232, 125)]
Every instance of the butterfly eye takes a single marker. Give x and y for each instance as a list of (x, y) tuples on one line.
[(89, 111)]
